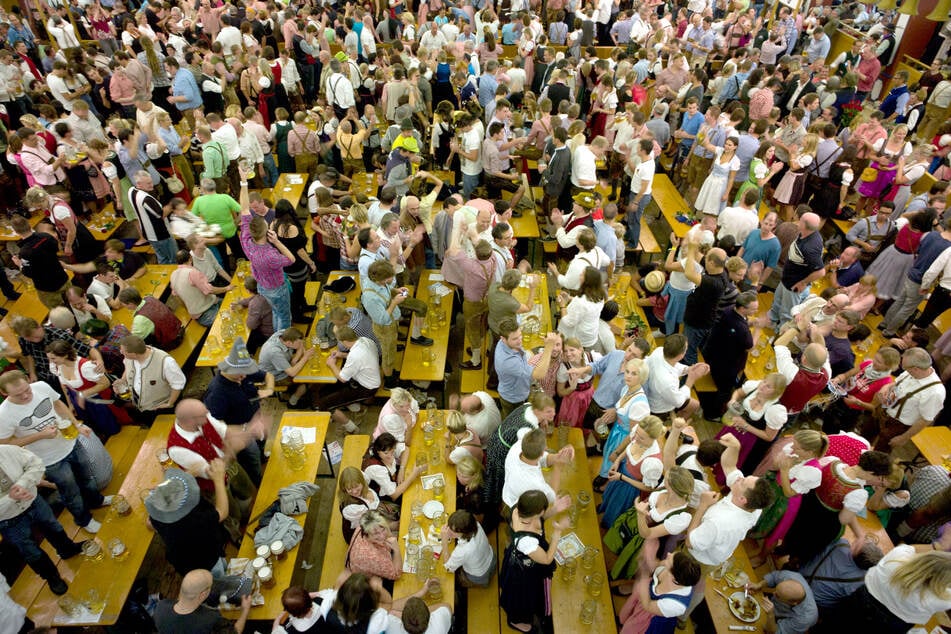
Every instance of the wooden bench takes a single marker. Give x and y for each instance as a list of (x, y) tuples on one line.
[(335, 549), (482, 604), (112, 579), (122, 448), (670, 203)]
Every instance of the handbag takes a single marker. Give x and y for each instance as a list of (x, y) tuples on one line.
[(869, 174), (174, 184)]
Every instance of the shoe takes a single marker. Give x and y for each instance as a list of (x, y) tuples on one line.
[(351, 427), (58, 586), (469, 365), (92, 527), (400, 347), (106, 501), (13, 296), (422, 341), (71, 552), (3, 312), (887, 335), (389, 382), (881, 325)]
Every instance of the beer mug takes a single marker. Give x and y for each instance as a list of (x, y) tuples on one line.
[(588, 611), (120, 505), (266, 577), (66, 428), (568, 569), (278, 550), (439, 491), (162, 456), (117, 549), (92, 551)]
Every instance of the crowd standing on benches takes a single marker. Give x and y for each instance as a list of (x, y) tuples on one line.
[(172, 115)]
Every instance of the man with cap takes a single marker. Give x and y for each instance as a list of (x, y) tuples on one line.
[(22, 510), (399, 166), (396, 137), (190, 612), (567, 227), (188, 523), (233, 395)]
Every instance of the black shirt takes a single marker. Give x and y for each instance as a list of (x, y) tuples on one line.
[(204, 620), (702, 303), (127, 267), (841, 357), (38, 254), (234, 403), (804, 257), (194, 542), (728, 343)]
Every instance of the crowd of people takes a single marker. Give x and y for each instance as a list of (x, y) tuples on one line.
[(180, 117)]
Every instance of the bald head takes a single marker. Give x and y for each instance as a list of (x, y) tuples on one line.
[(470, 404), (790, 592), (715, 260), (191, 414), (195, 586), (809, 223), (814, 356)]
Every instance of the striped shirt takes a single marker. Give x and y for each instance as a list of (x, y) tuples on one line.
[(150, 214)]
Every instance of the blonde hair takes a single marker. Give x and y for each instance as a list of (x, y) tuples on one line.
[(778, 382), (735, 263), (927, 572), (643, 371), (815, 442), (359, 214), (349, 477), (399, 395), (455, 421), (652, 426), (470, 468), (680, 481), (809, 145)]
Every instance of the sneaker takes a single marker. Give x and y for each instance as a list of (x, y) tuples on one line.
[(422, 341), (92, 527), (72, 551), (107, 500), (350, 428)]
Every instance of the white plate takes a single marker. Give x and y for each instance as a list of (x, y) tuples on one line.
[(433, 508)]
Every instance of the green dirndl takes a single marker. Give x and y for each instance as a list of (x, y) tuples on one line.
[(773, 513)]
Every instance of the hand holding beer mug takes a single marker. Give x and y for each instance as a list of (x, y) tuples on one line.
[(66, 428), (122, 390)]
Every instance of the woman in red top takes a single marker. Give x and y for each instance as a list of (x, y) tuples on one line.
[(88, 389), (860, 385), (893, 264)]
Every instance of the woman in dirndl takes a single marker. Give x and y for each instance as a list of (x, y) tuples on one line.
[(754, 417), (659, 599), (89, 391), (892, 265), (632, 406), (575, 390), (715, 190), (762, 168), (790, 189), (637, 470), (798, 472), (886, 163)]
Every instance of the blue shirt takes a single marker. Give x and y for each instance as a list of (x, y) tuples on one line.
[(793, 618), (515, 373), (757, 249), (487, 86), (376, 299), (610, 368), (184, 85), (606, 238), (508, 34), (23, 34), (745, 151), (840, 575), (929, 249), (690, 125)]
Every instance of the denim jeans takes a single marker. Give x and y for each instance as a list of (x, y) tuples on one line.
[(696, 337), (634, 222), (165, 250), (783, 301), (903, 307), (207, 318), (270, 170), (280, 300), (469, 183), (76, 484), (19, 531)]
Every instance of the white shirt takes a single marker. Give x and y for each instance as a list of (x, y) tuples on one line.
[(440, 622), (926, 404), (18, 420), (363, 364), (939, 270), (521, 476), (643, 172), (228, 137), (340, 91), (471, 140), (187, 459), (571, 280), (583, 167), (737, 222), (487, 421), (917, 607), (475, 556), (723, 527), (663, 389), (789, 368), (580, 320), (432, 40), (229, 36)]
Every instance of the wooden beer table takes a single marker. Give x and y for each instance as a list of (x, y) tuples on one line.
[(416, 365), (316, 370), (217, 345), (284, 189)]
